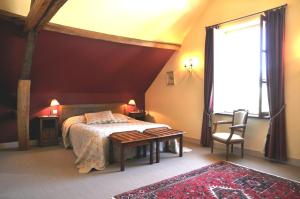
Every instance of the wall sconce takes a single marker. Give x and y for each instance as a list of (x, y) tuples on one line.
[(189, 64), (53, 107)]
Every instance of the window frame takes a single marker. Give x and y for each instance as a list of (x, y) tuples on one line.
[(261, 114)]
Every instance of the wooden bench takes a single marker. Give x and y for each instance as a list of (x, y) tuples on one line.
[(129, 139), (164, 134)]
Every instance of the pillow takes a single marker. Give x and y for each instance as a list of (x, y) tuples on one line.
[(76, 119), (120, 118), (102, 117)]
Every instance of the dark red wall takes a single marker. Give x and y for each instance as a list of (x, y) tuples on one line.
[(74, 70)]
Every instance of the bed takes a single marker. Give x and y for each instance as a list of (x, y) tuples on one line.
[(90, 141)]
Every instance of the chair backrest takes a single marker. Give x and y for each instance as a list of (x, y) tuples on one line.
[(240, 116)]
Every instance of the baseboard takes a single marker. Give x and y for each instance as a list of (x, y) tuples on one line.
[(294, 162), (13, 145), (191, 140), (291, 161), (258, 154)]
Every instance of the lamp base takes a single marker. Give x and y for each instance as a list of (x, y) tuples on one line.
[(53, 112)]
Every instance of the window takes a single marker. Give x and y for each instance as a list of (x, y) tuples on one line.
[(240, 68)]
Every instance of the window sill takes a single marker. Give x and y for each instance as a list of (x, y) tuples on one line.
[(250, 116)]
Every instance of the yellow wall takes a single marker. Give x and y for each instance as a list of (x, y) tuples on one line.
[(181, 105), (154, 20)]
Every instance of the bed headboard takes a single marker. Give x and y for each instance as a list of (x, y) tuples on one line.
[(79, 109)]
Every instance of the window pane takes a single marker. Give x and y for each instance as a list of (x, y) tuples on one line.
[(264, 36), (264, 66), (264, 96), (237, 69)]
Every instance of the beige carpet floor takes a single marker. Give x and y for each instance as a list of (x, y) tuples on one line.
[(44, 173)]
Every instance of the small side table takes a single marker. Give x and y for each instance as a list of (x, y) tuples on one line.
[(141, 115), (48, 130)]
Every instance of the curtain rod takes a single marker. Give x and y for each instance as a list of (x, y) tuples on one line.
[(246, 16)]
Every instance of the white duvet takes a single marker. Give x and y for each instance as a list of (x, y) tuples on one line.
[(90, 142)]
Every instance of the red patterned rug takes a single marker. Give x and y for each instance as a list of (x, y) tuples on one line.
[(219, 180)]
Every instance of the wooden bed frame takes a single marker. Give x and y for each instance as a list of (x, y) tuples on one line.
[(79, 109)]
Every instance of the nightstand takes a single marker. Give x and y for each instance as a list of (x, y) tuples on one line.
[(48, 130), (141, 115)]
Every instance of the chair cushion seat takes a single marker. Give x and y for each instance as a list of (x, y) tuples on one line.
[(223, 136)]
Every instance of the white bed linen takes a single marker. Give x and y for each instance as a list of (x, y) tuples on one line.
[(90, 142)]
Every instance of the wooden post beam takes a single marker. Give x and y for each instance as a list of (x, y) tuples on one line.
[(26, 68), (23, 106), (41, 11), (23, 95)]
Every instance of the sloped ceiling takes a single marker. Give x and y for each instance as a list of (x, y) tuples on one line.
[(153, 20), (72, 64), (64, 63)]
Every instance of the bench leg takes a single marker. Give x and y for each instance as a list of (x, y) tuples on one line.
[(151, 152), (144, 151), (157, 151), (180, 146), (167, 146), (111, 152), (122, 158), (138, 152)]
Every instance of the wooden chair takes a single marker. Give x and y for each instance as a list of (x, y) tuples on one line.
[(236, 134)]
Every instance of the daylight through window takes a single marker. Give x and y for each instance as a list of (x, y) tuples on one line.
[(240, 68)]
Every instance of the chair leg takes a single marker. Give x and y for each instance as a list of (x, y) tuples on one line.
[(227, 150), (231, 148), (242, 149), (180, 145), (212, 145)]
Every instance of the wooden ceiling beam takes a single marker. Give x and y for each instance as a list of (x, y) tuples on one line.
[(41, 12), (31, 3), (52, 10), (37, 11), (107, 37)]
